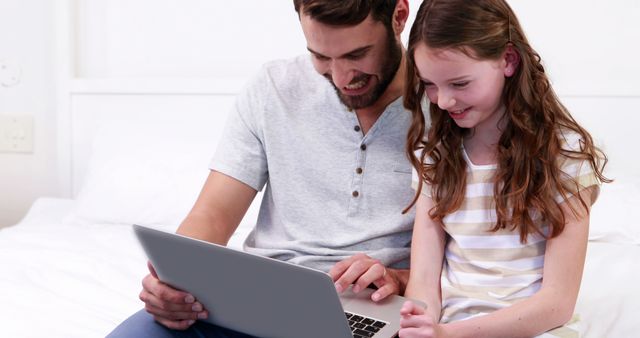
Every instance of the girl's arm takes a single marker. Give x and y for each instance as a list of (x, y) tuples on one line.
[(553, 304), (427, 250)]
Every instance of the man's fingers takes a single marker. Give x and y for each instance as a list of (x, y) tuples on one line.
[(384, 292), (173, 312), (170, 315), (152, 270), (387, 285), (149, 298), (374, 274), (166, 293), (358, 268), (175, 324), (170, 307), (339, 268), (169, 294)]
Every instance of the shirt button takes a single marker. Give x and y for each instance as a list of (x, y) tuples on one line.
[(355, 193), (363, 147), (356, 128), (359, 171)]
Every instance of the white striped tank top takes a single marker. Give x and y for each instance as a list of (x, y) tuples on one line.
[(485, 271)]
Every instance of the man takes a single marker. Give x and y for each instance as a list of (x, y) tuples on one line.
[(326, 134)]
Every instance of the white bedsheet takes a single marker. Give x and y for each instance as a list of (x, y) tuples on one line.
[(67, 281), (609, 299), (61, 280)]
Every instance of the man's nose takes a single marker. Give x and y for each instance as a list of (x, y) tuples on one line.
[(341, 74)]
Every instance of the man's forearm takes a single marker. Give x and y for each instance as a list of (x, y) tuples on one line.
[(206, 228)]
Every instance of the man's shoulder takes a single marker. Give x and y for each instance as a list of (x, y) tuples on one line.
[(299, 63), (293, 73), (286, 85)]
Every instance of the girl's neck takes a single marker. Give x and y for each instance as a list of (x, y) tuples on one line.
[(481, 144)]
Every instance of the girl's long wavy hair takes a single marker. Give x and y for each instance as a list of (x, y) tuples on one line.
[(528, 176)]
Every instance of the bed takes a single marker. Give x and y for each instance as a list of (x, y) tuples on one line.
[(72, 267)]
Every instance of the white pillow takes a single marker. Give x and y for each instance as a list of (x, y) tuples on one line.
[(143, 174), (613, 218)]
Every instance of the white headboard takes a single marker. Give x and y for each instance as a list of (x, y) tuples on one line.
[(203, 106), (196, 108), (94, 42)]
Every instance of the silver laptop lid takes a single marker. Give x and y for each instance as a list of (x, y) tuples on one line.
[(252, 294)]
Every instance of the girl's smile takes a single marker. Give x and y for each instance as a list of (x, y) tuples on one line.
[(459, 114)]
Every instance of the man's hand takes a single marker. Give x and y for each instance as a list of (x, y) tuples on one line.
[(172, 308), (362, 270)]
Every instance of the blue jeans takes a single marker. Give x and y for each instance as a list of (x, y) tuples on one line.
[(142, 324)]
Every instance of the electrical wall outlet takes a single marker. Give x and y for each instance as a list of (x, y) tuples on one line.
[(16, 133), (9, 76)]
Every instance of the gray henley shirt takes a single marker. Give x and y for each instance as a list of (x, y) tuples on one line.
[(331, 192)]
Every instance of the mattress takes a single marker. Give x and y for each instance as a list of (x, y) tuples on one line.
[(66, 279), (61, 279)]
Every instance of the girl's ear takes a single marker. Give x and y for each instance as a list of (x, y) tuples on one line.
[(512, 60)]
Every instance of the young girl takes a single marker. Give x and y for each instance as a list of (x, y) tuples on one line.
[(505, 180)]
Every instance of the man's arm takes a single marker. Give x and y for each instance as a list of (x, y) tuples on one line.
[(218, 210)]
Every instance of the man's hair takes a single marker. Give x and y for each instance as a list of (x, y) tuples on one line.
[(347, 12)]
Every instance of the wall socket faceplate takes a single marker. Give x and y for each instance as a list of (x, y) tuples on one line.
[(9, 76), (16, 133)]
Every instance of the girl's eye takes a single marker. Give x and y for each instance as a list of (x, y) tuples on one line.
[(430, 89), (460, 84)]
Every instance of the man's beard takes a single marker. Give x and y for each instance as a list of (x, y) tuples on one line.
[(390, 65)]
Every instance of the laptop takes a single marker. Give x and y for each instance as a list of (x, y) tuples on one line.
[(265, 297)]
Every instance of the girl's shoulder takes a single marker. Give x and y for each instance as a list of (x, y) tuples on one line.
[(575, 166), (570, 140), (427, 159)]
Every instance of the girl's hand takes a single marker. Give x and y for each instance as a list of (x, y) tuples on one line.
[(416, 323)]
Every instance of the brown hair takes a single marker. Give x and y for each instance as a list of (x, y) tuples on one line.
[(528, 174), (347, 12)]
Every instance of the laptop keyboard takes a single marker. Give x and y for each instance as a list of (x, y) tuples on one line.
[(363, 326)]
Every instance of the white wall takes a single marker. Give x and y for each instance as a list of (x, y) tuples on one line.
[(589, 48), (26, 39), (177, 38)]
